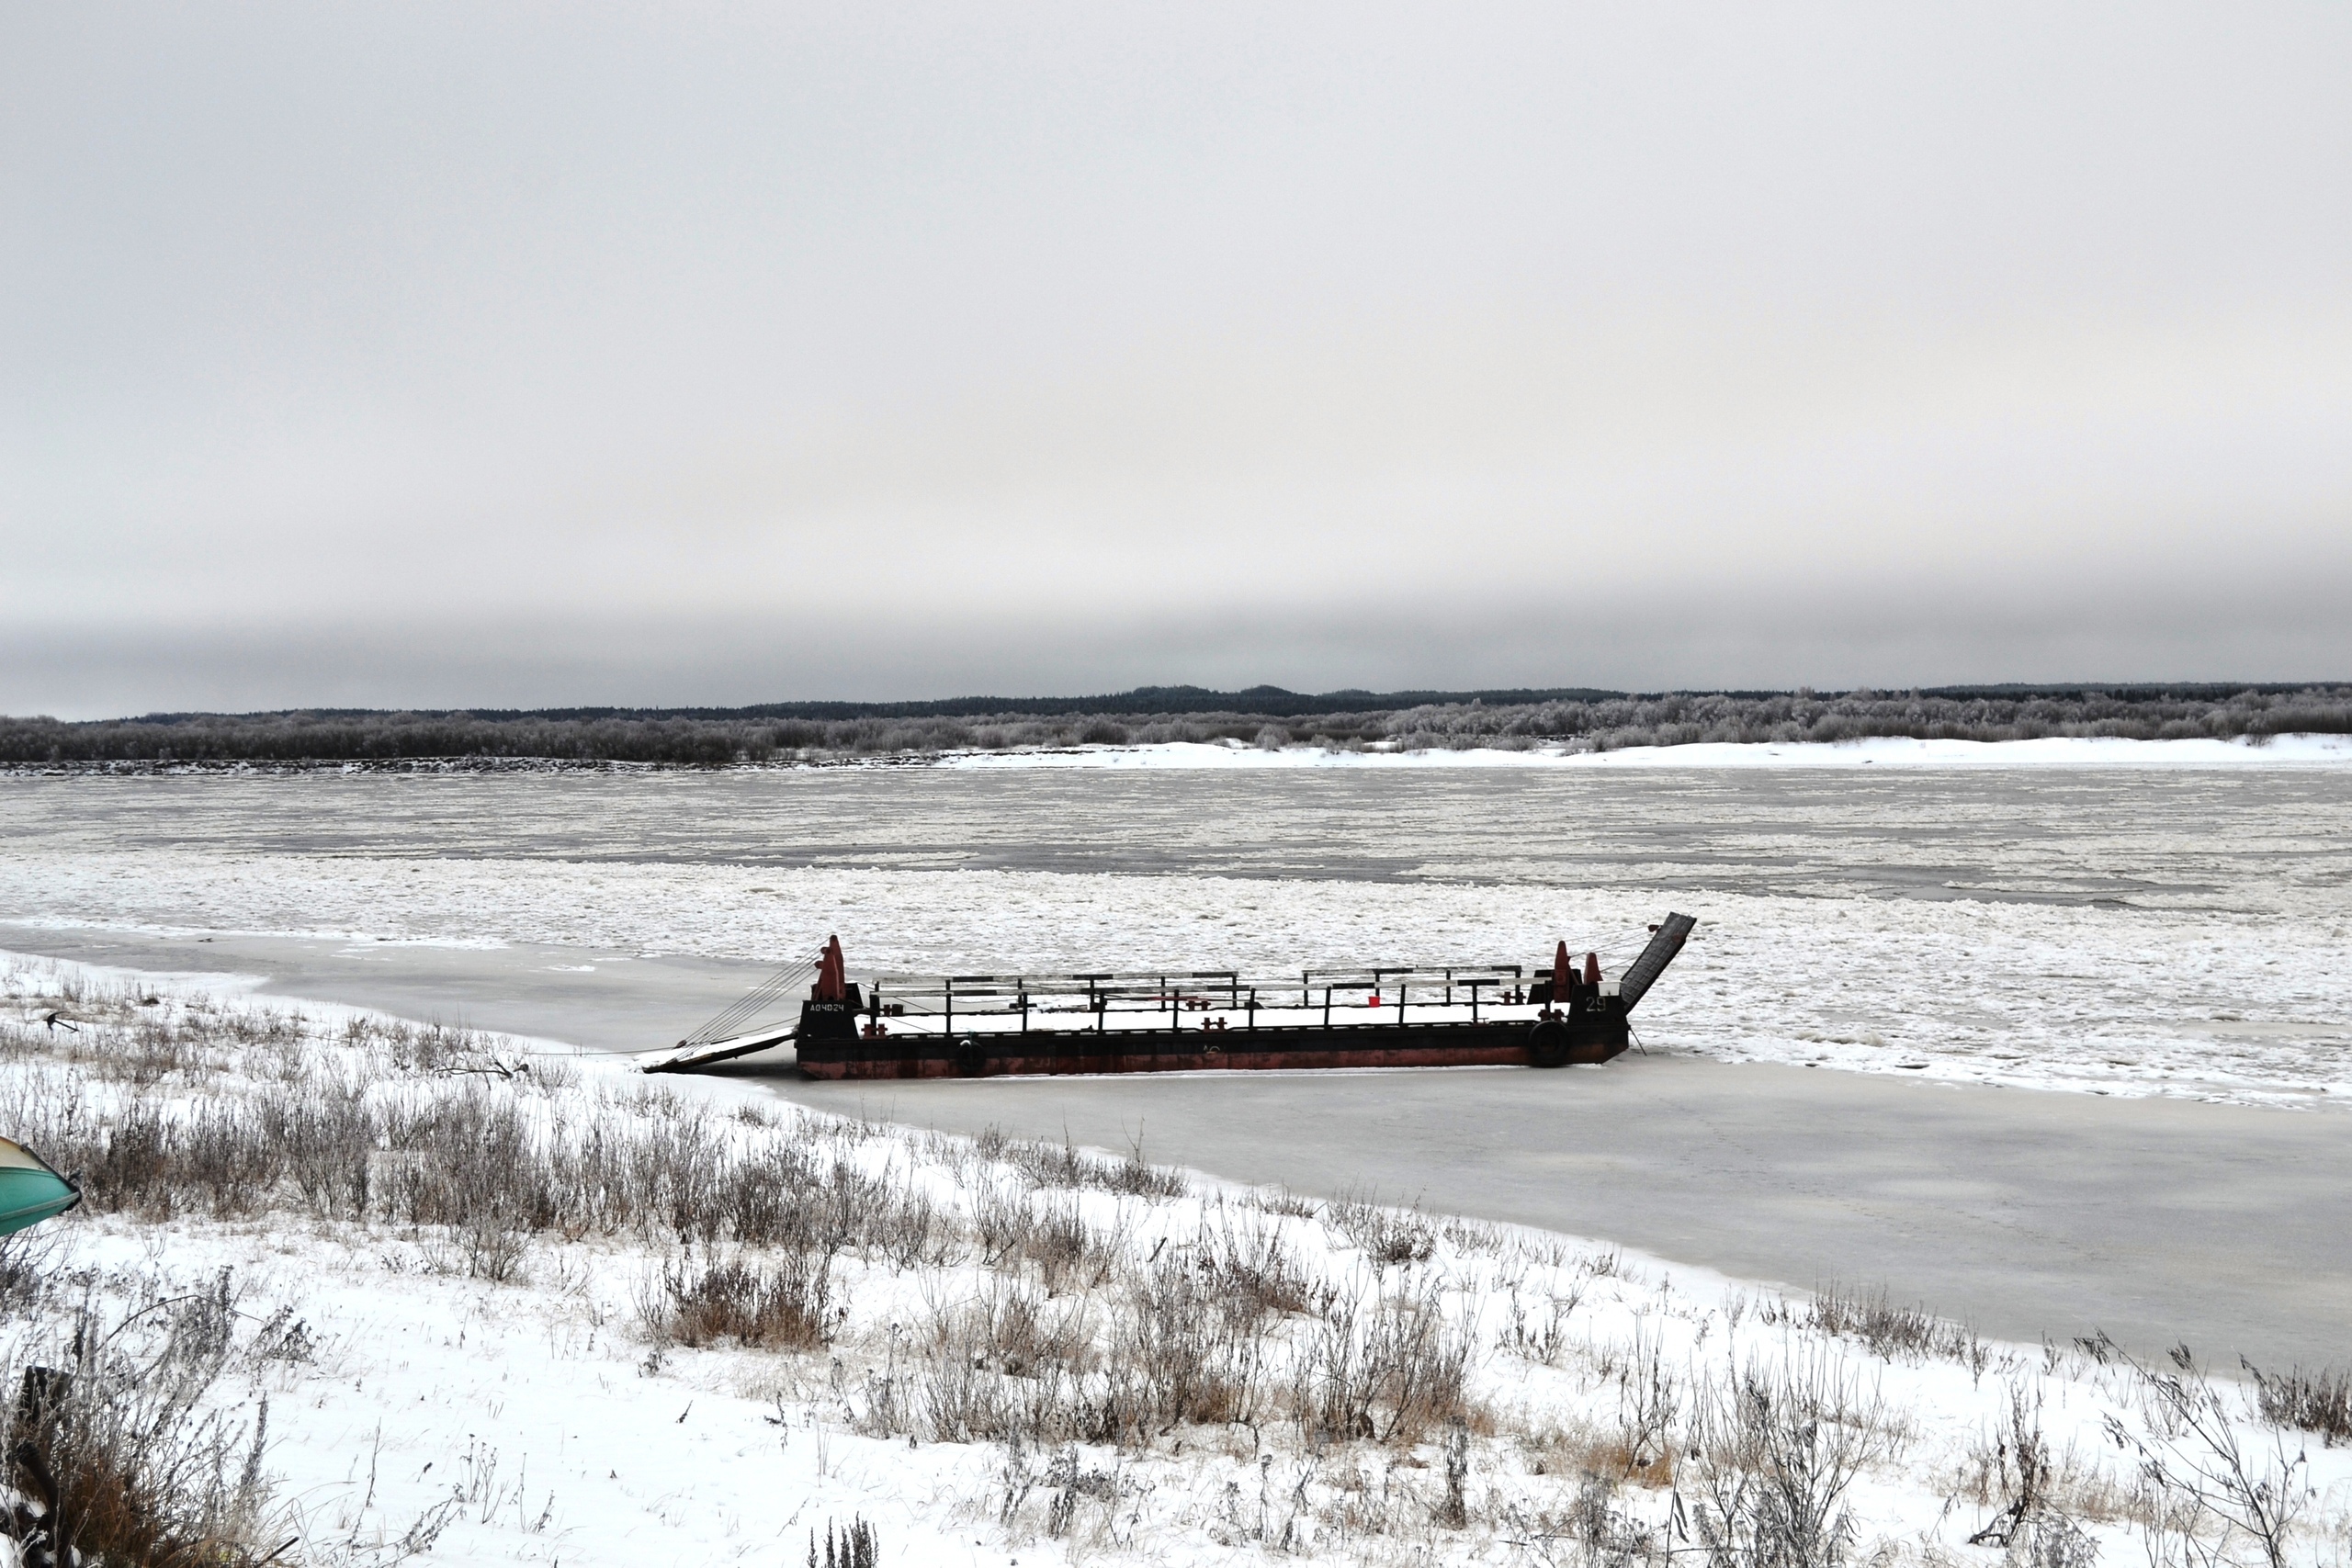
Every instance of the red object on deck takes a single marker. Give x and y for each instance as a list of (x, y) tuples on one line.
[(1593, 969), (1560, 975), (833, 974)]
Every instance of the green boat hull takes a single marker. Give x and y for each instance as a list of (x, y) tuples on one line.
[(29, 1191)]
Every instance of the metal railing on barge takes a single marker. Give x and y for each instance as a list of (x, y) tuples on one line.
[(923, 1002)]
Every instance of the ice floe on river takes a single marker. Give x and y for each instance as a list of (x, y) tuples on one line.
[(2240, 1005)]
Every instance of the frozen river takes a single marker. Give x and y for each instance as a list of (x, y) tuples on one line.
[(2181, 932), (2168, 946)]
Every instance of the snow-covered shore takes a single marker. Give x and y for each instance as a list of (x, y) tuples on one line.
[(2054, 751), (464, 1385)]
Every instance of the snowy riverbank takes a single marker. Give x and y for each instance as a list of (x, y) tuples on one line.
[(474, 1349), (2055, 751)]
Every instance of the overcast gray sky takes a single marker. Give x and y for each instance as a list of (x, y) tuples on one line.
[(450, 354)]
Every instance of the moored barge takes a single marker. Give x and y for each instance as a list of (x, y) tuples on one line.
[(970, 1026)]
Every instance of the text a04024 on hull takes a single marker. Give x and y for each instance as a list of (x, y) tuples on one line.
[(966, 1026)]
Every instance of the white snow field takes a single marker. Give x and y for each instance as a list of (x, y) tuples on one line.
[(562, 1314)]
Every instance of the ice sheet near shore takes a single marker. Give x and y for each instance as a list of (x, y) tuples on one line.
[(2054, 751), (418, 1413), (2252, 1005)]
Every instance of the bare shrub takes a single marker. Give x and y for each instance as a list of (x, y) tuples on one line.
[(27, 1261), (2198, 1467), (1045, 1165), (1388, 1236), (1132, 1177), (911, 1231), (124, 1442), (1452, 1510), (1003, 1220), (1540, 1339), (437, 1049), (1064, 1164), (1596, 1533), (1004, 1367), (1281, 1201), (1773, 1449), (1892, 1332), (1572, 1446), (492, 1246), (325, 1134), (470, 1158), (854, 1545), (1389, 1369), (1252, 1268), (782, 1303), (1182, 1351), (1595, 1528), (134, 1168), (1069, 1253), (2030, 1528), (1073, 1482), (1649, 1400), (561, 1075), (2318, 1402), (1471, 1238)]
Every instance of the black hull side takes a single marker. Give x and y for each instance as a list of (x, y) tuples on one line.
[(1583, 1039)]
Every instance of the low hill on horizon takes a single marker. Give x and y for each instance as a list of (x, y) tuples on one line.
[(1269, 701)]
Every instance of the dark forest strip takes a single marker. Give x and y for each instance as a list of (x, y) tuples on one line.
[(1264, 715)]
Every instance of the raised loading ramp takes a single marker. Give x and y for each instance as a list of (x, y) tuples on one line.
[(747, 1026), (1672, 932), (686, 1058)]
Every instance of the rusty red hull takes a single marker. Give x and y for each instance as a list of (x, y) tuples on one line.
[(1194, 1051)]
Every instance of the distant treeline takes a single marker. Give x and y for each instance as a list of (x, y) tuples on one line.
[(1264, 715)]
